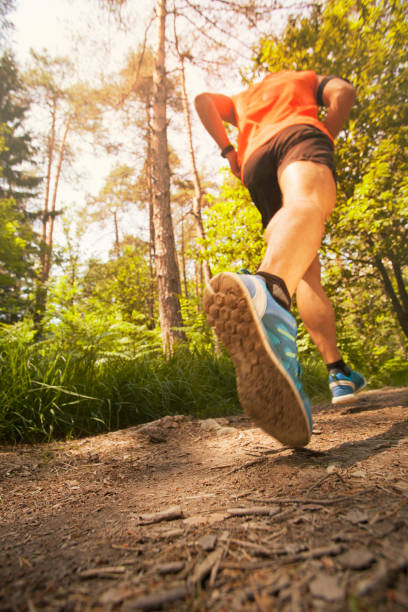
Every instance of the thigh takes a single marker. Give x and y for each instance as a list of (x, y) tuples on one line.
[(308, 181)]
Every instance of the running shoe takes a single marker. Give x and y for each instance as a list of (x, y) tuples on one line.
[(344, 388), (260, 336)]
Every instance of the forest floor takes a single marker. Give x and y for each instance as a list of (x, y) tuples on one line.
[(191, 515)]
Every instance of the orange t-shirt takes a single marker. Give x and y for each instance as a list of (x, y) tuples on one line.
[(282, 99)]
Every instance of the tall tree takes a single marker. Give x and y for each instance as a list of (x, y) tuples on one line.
[(134, 95), (168, 277), (198, 191), (18, 184), (16, 179), (69, 107)]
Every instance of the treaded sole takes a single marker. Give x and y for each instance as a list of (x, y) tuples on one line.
[(266, 392), (347, 399)]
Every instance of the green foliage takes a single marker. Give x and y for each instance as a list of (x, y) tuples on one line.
[(85, 381), (18, 241), (123, 281), (198, 333), (234, 236), (16, 149), (16, 261), (52, 390)]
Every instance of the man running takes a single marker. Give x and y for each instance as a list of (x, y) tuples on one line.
[(285, 159)]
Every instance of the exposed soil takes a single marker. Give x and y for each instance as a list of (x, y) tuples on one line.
[(213, 515)]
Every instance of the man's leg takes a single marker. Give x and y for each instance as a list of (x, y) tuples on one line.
[(258, 332), (295, 233), (317, 313)]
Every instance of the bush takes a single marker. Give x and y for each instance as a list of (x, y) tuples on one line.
[(48, 393)]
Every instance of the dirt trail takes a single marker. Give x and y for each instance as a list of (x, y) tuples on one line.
[(212, 515)]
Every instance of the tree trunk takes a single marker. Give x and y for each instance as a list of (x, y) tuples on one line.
[(198, 193), (51, 146), (402, 291), (183, 258), (50, 236), (389, 289), (167, 272), (149, 164), (41, 291), (116, 230)]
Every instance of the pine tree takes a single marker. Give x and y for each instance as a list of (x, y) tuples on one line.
[(18, 241)]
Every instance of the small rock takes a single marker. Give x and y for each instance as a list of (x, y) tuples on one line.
[(358, 474), (332, 468), (169, 422), (208, 542), (356, 516), (153, 433), (210, 425), (327, 587), (356, 558), (225, 430)]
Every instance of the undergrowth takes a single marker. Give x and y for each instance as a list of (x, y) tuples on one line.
[(51, 392)]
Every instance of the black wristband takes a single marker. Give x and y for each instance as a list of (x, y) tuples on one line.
[(227, 150)]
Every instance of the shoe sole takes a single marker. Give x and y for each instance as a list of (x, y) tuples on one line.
[(348, 399), (265, 390)]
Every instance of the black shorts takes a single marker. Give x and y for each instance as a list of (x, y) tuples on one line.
[(295, 143)]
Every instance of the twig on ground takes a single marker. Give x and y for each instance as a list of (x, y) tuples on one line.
[(171, 514), (318, 483), (215, 568), (103, 572), (305, 500), (203, 568), (258, 599), (314, 553), (254, 510), (257, 548), (156, 600), (173, 567)]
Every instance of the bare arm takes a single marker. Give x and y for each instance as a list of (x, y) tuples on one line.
[(339, 97), (213, 109)]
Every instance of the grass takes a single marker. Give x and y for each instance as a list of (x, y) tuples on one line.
[(49, 393)]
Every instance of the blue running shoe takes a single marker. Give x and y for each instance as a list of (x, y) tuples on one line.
[(344, 388), (260, 336)]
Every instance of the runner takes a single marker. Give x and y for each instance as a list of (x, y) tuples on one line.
[(285, 159)]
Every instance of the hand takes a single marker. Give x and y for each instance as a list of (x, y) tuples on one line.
[(232, 158)]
